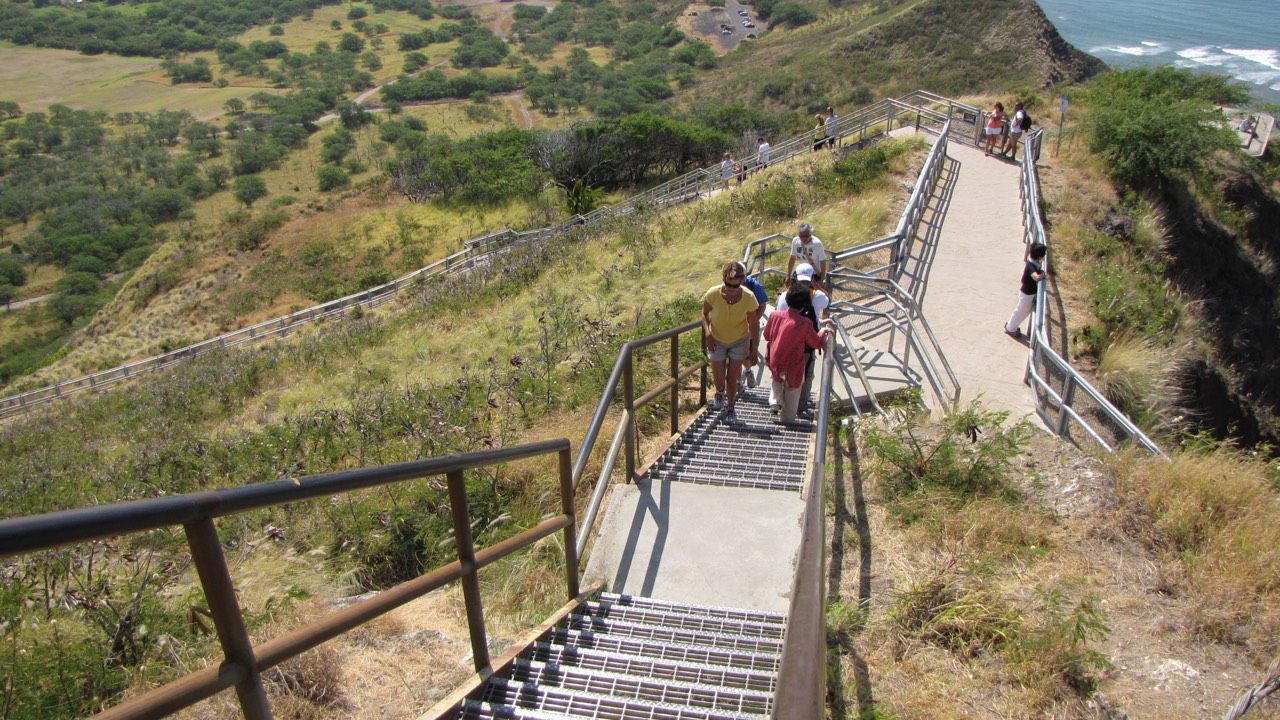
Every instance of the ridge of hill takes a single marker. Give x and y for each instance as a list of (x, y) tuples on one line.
[(887, 47)]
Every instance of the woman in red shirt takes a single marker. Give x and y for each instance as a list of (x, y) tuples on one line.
[(789, 332)]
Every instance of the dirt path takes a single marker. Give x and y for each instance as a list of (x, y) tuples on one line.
[(523, 116), (19, 304)]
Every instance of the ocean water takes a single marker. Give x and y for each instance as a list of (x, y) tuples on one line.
[(1240, 38)]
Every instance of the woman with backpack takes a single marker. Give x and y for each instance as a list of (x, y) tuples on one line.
[(1020, 123)]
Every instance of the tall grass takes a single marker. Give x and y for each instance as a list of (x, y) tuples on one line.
[(1214, 513)]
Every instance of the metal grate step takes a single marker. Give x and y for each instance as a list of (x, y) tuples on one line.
[(763, 661), (659, 669), (759, 616), (721, 481), (701, 624), (723, 641), (653, 690), (588, 705)]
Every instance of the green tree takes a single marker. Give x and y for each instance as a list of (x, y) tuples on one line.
[(351, 43), (1154, 125), (7, 293), (249, 189), (332, 177), (233, 106), (11, 271)]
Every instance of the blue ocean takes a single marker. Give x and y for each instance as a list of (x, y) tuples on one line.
[(1240, 38)]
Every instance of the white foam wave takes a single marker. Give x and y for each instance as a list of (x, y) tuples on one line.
[(1204, 55), (1266, 58), (1135, 50)]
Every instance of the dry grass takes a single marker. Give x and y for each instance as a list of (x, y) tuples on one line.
[(1140, 378), (1214, 515)]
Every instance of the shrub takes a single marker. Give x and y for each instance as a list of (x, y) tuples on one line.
[(249, 189), (331, 177), (793, 14), (1153, 125)]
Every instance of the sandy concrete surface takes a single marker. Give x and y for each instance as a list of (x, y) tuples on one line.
[(733, 547)]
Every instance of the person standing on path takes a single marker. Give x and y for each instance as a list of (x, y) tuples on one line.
[(763, 151), (819, 132), (1020, 123), (732, 331), (727, 170), (807, 248), (816, 310), (832, 131), (762, 301), (1032, 274), (791, 336), (995, 127)]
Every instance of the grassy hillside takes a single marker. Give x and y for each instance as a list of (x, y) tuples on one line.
[(860, 51), (520, 354)]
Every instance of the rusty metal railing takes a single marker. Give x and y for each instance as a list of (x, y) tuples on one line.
[(627, 434), (244, 662)]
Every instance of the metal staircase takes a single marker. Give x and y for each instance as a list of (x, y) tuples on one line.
[(754, 452), (618, 656)]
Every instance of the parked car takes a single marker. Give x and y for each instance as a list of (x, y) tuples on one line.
[(743, 13), (748, 23)]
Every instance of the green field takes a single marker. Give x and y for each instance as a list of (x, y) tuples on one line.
[(39, 77)]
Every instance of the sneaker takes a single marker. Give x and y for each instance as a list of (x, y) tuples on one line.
[(1016, 334), (775, 409), (730, 416), (718, 401), (751, 380)]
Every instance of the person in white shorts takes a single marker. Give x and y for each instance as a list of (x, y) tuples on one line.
[(1020, 122)]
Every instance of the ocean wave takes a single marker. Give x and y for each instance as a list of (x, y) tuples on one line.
[(1265, 57), (1146, 48), (1204, 55)]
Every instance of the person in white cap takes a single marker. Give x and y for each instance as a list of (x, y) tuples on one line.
[(802, 279)]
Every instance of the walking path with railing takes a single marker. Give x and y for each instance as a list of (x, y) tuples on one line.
[(712, 554)]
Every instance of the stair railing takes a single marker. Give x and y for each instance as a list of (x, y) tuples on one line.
[(626, 438), (245, 662), (802, 677), (1057, 408)]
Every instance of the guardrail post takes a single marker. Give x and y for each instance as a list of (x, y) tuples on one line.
[(628, 402), (675, 387), (470, 578), (211, 566), (570, 533), (1068, 396)]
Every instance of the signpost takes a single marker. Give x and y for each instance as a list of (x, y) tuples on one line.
[(1062, 120)]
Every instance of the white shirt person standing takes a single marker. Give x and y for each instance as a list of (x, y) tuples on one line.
[(763, 150), (807, 248)]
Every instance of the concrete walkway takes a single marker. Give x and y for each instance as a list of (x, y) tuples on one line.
[(972, 282)]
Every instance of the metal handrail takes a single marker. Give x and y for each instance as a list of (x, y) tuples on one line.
[(627, 434), (244, 662), (478, 252), (802, 676), (1041, 350)]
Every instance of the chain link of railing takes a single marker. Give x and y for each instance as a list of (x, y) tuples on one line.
[(1063, 397), (922, 109)]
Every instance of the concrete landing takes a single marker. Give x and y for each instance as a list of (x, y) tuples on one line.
[(973, 282), (732, 547)]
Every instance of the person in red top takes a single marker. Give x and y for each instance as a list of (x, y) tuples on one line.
[(789, 332)]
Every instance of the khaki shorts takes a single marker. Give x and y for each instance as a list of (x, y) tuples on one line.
[(737, 351)]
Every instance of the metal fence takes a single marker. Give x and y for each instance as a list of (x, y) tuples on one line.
[(245, 662), (1064, 399), (922, 109)]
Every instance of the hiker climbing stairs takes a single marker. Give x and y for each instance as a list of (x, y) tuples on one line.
[(619, 656), (754, 452)]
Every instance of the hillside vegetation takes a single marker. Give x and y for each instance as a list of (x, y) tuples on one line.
[(861, 51), (516, 354)]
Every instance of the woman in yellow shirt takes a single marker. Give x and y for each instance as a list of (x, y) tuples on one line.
[(728, 312)]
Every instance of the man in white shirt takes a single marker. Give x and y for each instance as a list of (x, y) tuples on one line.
[(762, 152), (832, 132), (807, 248), (1017, 125)]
